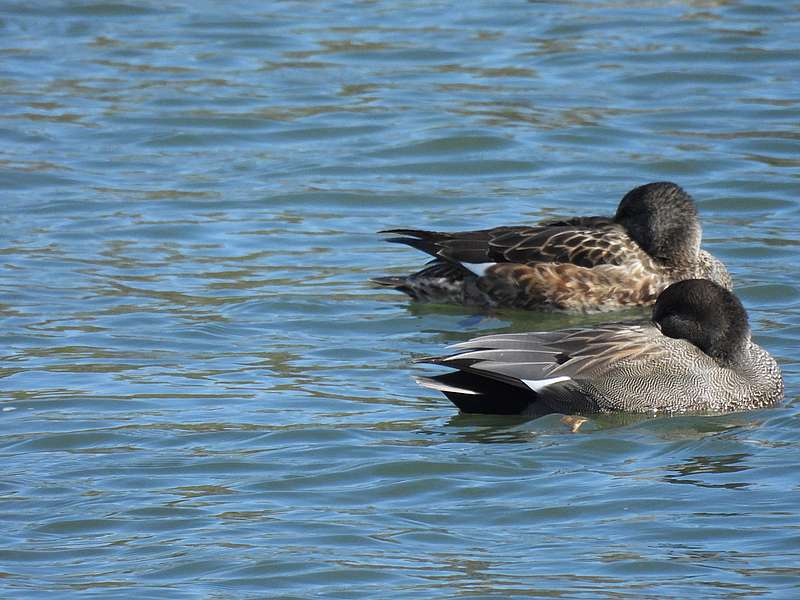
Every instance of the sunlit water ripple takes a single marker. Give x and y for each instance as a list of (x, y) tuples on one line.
[(201, 396)]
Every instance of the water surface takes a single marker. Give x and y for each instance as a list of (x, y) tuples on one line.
[(201, 396)]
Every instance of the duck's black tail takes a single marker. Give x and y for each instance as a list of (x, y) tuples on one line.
[(401, 284), (475, 394), (389, 281)]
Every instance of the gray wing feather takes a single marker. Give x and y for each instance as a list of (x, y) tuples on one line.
[(579, 353)]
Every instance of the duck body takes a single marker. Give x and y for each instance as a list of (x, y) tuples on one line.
[(696, 355), (583, 264)]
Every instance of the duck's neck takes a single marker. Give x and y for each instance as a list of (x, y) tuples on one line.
[(738, 359)]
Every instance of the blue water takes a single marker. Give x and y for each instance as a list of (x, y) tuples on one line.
[(202, 397)]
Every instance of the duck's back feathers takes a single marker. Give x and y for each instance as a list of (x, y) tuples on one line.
[(585, 242)]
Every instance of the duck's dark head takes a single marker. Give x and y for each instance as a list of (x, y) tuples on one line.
[(707, 315), (662, 218)]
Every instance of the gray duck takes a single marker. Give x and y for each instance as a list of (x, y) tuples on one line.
[(694, 355)]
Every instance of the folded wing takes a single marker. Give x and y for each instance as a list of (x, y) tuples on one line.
[(586, 242), (552, 369)]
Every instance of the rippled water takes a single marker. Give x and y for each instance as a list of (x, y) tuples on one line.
[(201, 396)]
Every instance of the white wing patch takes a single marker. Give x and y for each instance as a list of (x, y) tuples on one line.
[(443, 387), (478, 268), (537, 385)]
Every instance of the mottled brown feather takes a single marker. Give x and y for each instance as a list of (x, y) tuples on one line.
[(584, 264), (565, 286)]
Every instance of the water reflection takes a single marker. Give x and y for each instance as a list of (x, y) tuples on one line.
[(196, 364), (686, 472)]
